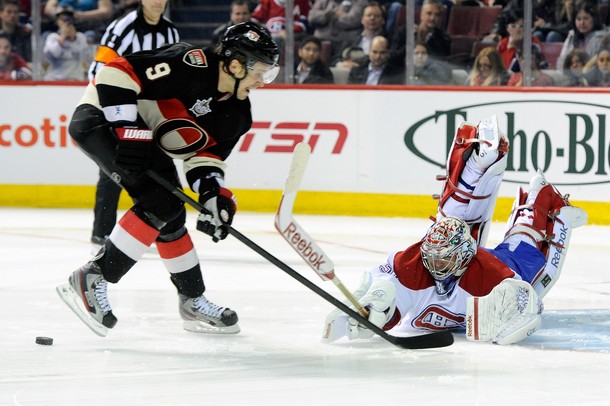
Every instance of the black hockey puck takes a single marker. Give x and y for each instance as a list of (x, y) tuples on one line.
[(44, 340)]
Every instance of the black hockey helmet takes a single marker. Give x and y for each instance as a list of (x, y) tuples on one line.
[(254, 42)]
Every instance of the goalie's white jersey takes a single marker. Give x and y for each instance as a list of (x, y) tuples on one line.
[(419, 306)]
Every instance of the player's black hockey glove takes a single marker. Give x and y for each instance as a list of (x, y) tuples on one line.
[(221, 204), (133, 148)]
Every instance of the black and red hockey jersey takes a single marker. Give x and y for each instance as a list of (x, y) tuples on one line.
[(175, 89)]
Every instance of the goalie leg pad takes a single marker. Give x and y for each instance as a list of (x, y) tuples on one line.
[(544, 218), (475, 168), (508, 314)]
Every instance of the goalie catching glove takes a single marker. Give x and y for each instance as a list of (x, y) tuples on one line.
[(377, 297), (220, 203), (508, 314)]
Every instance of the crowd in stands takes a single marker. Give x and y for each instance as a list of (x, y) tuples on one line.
[(456, 42)]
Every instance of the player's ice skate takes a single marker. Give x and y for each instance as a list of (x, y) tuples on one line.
[(202, 316), (86, 295)]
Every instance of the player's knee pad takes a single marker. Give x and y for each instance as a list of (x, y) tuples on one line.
[(547, 218), (475, 168)]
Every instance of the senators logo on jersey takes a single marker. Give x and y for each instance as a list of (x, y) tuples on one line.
[(181, 138)]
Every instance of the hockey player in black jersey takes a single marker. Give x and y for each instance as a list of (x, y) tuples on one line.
[(141, 111)]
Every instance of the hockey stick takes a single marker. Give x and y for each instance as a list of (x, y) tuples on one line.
[(432, 340), (297, 237)]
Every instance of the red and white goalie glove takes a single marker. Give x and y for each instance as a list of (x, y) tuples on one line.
[(508, 314), (377, 296)]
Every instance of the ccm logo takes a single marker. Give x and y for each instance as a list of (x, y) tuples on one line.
[(286, 135)]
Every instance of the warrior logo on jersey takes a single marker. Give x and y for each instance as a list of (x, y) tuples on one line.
[(252, 36), (201, 107), (196, 58), (435, 317)]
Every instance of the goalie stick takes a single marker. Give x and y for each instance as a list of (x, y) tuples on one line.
[(297, 237), (433, 340)]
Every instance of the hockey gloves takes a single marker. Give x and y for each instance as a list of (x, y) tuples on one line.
[(221, 205), (377, 295), (133, 148)]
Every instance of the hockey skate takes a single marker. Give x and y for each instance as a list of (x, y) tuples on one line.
[(202, 316), (85, 294)]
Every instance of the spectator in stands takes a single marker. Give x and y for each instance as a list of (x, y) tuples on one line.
[(373, 25), (240, 13), (564, 13), (509, 45), (25, 10), (499, 29), (271, 14), (539, 78), (19, 35), (428, 30), (541, 10), (91, 16), (573, 69), (587, 33), (12, 66), (599, 74), (66, 50), (545, 16), (140, 30), (393, 7), (488, 69), (334, 20), (310, 69), (429, 71), (377, 70)]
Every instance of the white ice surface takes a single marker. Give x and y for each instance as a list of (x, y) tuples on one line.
[(277, 359)]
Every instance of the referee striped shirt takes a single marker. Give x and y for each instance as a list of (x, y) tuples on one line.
[(131, 33)]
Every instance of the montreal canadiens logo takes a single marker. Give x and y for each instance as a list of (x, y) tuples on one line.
[(196, 58), (181, 138), (438, 318)]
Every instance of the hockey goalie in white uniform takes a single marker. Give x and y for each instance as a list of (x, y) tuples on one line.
[(448, 280)]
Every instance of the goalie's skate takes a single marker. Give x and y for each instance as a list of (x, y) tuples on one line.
[(85, 294), (202, 316)]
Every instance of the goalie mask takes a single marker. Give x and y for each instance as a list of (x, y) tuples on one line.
[(446, 251)]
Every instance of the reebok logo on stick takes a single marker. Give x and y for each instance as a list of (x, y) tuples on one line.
[(306, 248)]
